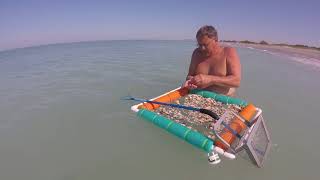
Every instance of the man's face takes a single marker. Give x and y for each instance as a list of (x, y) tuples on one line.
[(206, 44)]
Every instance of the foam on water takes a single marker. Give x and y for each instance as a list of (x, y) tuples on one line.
[(315, 63)]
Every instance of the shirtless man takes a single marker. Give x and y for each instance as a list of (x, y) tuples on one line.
[(213, 67)]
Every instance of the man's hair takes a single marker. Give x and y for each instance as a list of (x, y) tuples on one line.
[(209, 31)]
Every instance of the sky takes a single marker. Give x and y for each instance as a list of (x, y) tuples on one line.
[(26, 23)]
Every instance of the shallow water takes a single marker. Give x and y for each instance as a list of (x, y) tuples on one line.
[(62, 118)]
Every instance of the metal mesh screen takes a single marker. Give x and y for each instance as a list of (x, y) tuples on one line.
[(259, 141)]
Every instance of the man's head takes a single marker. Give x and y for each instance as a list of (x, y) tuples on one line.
[(207, 38)]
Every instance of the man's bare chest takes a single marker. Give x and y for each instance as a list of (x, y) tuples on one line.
[(212, 66)]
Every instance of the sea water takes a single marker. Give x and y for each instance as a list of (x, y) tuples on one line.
[(62, 117)]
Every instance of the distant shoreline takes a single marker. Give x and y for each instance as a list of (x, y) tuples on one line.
[(299, 46), (303, 55)]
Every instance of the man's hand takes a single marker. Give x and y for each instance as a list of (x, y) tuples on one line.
[(188, 83), (201, 80)]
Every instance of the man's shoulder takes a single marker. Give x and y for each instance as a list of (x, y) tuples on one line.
[(196, 53), (230, 51)]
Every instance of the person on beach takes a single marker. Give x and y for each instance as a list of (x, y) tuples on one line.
[(213, 67)]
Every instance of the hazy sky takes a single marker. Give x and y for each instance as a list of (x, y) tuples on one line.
[(34, 22)]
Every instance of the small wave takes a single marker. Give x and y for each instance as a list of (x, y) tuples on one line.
[(140, 53), (304, 60), (295, 57), (308, 61)]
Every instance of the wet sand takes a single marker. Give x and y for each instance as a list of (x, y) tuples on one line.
[(306, 56)]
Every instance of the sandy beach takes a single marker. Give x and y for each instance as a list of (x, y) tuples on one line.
[(306, 56)]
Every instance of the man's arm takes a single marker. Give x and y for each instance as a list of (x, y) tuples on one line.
[(191, 72), (192, 66), (233, 77)]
